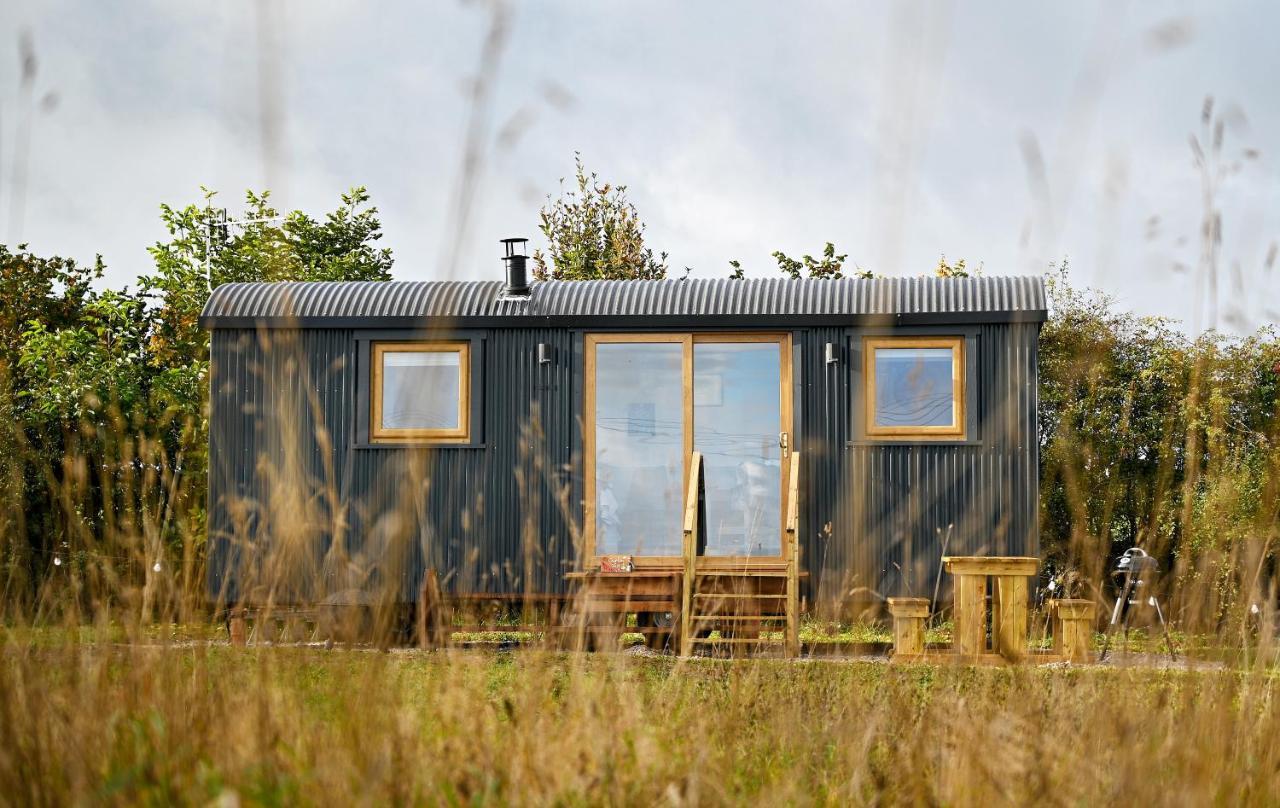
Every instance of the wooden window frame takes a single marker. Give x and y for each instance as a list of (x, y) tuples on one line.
[(460, 434), (686, 339), (959, 412)]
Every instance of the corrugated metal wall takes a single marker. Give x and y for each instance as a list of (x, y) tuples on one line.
[(279, 430), (501, 518), (293, 504), (878, 516)]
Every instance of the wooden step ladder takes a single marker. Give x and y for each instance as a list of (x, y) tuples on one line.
[(740, 603)]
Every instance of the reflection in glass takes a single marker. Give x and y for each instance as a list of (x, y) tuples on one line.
[(914, 387), (639, 424), (736, 417), (420, 389)]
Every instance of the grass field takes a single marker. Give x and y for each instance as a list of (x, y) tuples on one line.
[(198, 722)]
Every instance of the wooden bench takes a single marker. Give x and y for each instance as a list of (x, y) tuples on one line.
[(601, 601)]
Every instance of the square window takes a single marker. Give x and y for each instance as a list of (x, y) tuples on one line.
[(914, 387), (421, 391)]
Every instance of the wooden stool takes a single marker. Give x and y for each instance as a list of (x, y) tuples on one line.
[(908, 625), (1073, 628)]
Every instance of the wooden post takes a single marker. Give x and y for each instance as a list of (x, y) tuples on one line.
[(969, 636), (908, 625), (690, 550), (238, 626), (551, 637), (420, 623), (1009, 616), (430, 623), (677, 617), (1073, 628), (792, 649)]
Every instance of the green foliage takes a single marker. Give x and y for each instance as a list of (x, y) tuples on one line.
[(205, 250), (52, 293), (956, 270), (829, 265), (36, 289), (99, 386), (72, 373), (1151, 438), (594, 233)]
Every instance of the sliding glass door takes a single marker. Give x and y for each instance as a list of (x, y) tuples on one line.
[(651, 400), (738, 428), (639, 447)]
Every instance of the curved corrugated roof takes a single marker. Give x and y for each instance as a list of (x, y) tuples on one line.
[(372, 303)]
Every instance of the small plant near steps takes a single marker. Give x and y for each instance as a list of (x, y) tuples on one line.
[(738, 604)]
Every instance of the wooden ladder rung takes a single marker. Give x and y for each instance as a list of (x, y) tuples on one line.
[(756, 573), (736, 596), (735, 640), (621, 605), (645, 630), (711, 621)]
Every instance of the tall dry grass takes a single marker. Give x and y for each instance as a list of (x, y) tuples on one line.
[(195, 723)]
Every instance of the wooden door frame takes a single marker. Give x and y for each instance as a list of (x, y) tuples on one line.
[(687, 339)]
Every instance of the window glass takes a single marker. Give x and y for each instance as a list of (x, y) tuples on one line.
[(736, 418), (914, 387), (639, 436), (420, 391)]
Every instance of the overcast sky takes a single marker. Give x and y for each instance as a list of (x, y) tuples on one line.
[(998, 133)]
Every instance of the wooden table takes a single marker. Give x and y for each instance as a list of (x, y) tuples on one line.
[(1008, 576)]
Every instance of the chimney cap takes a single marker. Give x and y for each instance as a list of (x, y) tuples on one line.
[(510, 244)]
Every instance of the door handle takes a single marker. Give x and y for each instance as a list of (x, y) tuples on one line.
[(784, 442)]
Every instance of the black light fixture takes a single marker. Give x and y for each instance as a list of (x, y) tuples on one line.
[(544, 353), (830, 353)]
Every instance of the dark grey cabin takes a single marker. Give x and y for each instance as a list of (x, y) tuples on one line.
[(361, 433)]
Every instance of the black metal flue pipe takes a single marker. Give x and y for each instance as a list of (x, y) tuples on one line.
[(517, 272)]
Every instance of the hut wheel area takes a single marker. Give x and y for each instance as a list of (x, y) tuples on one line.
[(699, 462)]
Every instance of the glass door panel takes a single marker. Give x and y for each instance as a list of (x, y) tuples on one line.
[(639, 446), (737, 420)]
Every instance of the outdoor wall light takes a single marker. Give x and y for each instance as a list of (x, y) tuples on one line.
[(544, 353), (830, 353)]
